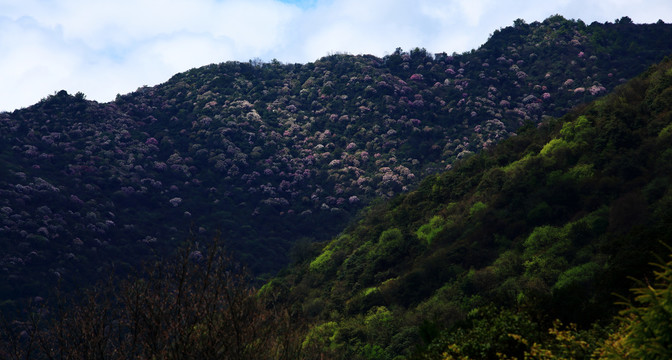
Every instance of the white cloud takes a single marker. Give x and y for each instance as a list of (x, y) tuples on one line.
[(473, 10), (107, 47), (34, 61)]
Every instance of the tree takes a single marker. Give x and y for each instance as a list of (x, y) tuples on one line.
[(519, 22)]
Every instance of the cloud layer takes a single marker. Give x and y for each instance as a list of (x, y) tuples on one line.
[(103, 48)]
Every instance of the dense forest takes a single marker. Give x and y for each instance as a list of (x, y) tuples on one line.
[(478, 205), (539, 231)]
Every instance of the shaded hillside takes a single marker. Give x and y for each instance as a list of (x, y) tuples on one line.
[(270, 154), (547, 225)]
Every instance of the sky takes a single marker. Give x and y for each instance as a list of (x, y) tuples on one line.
[(107, 47)]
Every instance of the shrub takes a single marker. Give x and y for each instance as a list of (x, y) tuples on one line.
[(646, 323)]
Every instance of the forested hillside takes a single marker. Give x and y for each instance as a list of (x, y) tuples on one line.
[(444, 234), (271, 154), (542, 230)]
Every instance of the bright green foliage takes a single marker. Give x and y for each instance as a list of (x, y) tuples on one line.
[(545, 239), (554, 146), (547, 248), (477, 208), (321, 337), (581, 172), (665, 133), (374, 352), (577, 275), (369, 291), (322, 262), (391, 237), (517, 165), (427, 232), (380, 324), (579, 130), (544, 253)]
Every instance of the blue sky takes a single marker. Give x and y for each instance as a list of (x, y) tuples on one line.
[(301, 3), (108, 47)]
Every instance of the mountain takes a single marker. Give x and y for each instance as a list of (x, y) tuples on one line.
[(271, 155), (539, 231)]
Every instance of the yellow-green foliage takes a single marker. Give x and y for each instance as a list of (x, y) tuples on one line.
[(369, 291), (267, 288), (577, 129), (390, 235), (344, 240), (644, 331), (581, 172), (545, 249), (553, 146), (564, 343), (378, 317), (321, 336), (666, 132), (647, 324), (477, 208), (576, 174), (574, 136), (321, 263), (516, 165), (543, 253), (543, 239), (427, 232), (324, 261), (576, 275), (380, 323)]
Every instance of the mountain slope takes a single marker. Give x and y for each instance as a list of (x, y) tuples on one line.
[(547, 225), (274, 154)]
